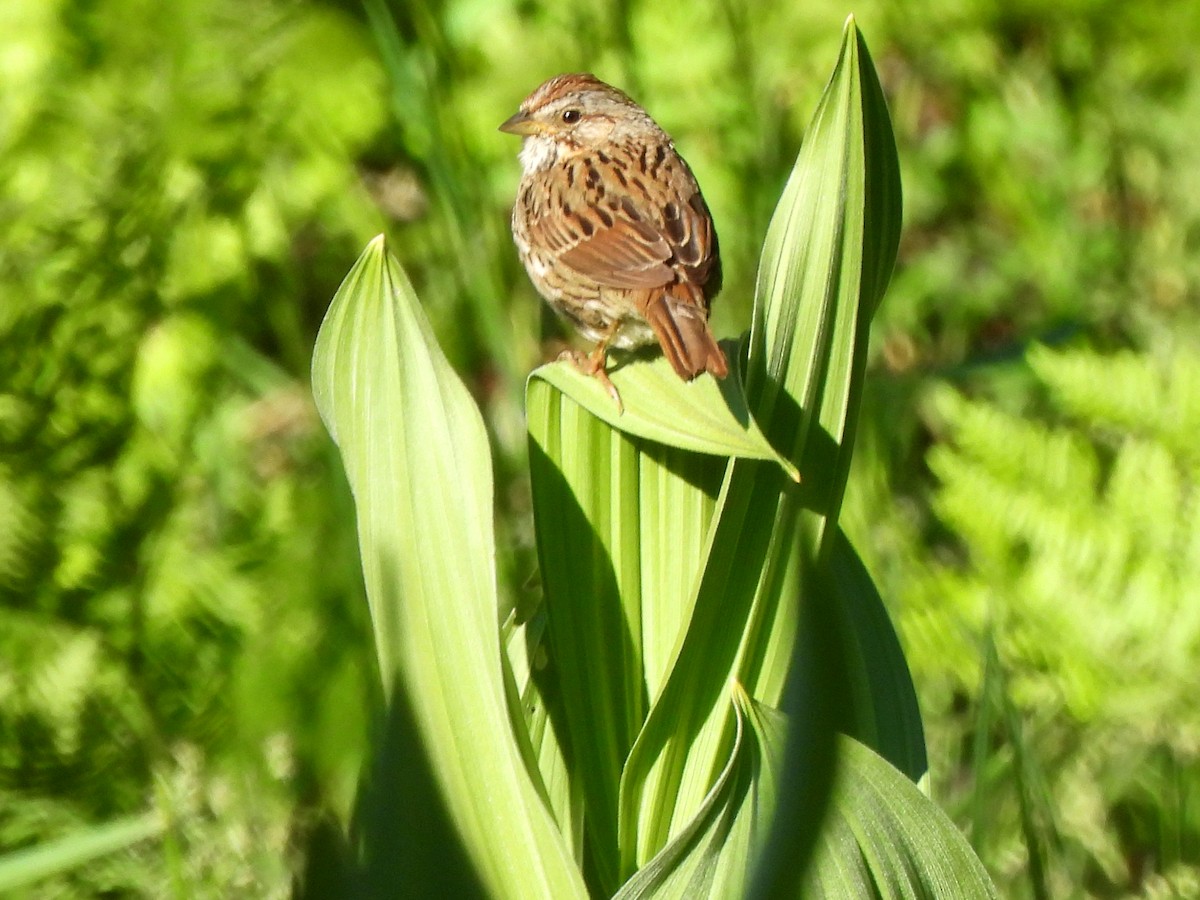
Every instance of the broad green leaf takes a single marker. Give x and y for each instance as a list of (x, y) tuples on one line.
[(689, 728), (848, 675), (621, 525), (415, 452), (713, 855), (525, 647), (22, 868), (826, 262), (884, 838), (879, 700), (828, 252), (706, 415)]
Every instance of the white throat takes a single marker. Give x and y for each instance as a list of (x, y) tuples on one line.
[(538, 153)]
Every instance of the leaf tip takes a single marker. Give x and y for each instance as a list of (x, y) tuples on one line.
[(789, 468)]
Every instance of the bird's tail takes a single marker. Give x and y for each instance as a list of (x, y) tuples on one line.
[(681, 326)]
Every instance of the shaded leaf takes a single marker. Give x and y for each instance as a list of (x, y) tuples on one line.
[(880, 704), (884, 838)]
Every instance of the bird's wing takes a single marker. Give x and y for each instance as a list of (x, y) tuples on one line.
[(638, 234), (614, 247)]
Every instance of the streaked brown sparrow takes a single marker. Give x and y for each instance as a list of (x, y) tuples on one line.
[(612, 228)]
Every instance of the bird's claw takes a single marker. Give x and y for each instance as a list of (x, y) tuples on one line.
[(593, 366)]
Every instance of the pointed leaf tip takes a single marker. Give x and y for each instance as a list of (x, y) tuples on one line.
[(415, 450)]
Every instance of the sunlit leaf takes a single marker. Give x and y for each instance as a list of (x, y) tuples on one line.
[(883, 838), (416, 456), (707, 415), (621, 524), (713, 855), (825, 263)]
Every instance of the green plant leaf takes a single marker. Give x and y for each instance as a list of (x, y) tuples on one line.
[(416, 455), (830, 247), (707, 415), (884, 838), (713, 855), (621, 524), (826, 262), (689, 728), (22, 868), (880, 701), (847, 675), (525, 646)]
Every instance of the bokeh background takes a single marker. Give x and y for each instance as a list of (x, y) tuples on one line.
[(182, 187)]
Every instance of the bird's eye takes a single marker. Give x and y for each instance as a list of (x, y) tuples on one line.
[(571, 116)]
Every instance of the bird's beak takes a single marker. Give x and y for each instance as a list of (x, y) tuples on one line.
[(521, 124)]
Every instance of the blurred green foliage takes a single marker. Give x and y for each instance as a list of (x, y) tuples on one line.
[(182, 187), (178, 199)]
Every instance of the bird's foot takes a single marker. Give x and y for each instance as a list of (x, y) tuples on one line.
[(592, 364)]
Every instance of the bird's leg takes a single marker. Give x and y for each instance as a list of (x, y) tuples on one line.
[(595, 367), (593, 363)]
